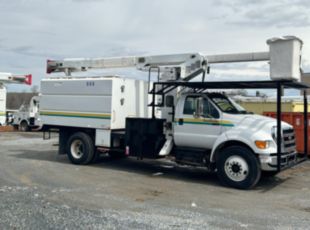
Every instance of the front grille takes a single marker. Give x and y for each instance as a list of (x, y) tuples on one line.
[(289, 140)]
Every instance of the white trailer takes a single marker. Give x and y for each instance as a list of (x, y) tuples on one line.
[(194, 126), (8, 78)]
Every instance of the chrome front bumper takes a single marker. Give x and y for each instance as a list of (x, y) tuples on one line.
[(270, 162)]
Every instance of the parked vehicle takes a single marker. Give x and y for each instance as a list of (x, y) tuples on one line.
[(8, 78), (27, 117), (187, 122)]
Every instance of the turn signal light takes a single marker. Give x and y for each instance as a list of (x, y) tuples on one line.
[(261, 144)]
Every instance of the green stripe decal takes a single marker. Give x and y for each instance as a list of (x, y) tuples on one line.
[(2, 113), (77, 115), (207, 122)]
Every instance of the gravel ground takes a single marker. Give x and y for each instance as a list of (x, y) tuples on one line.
[(42, 190)]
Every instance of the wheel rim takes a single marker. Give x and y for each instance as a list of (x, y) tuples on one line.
[(77, 149), (236, 168)]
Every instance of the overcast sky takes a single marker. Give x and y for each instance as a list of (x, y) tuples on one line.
[(33, 31)]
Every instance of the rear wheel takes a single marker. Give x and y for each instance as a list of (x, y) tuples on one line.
[(238, 167), (80, 148), (23, 126)]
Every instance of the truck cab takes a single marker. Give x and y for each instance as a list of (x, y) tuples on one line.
[(27, 117), (235, 142)]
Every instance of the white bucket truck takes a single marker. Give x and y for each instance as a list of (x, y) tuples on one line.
[(196, 127), (27, 117), (8, 78)]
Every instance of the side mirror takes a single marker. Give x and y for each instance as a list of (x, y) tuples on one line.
[(169, 101)]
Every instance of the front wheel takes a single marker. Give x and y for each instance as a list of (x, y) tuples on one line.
[(80, 148), (238, 167)]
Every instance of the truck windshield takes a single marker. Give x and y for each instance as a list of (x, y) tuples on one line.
[(226, 104)]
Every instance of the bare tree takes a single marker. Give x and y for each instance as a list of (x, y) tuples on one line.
[(15, 100), (34, 89)]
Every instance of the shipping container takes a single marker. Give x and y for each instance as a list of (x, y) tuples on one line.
[(297, 120)]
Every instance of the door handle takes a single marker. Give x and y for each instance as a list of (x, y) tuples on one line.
[(181, 121)]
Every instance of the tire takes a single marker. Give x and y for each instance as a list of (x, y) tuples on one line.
[(238, 167), (80, 148), (23, 126)]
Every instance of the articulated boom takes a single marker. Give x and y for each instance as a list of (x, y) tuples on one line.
[(175, 66), (284, 56), (171, 66), (15, 79)]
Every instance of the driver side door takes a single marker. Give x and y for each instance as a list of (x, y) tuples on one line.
[(198, 123)]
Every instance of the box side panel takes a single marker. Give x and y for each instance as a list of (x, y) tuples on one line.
[(85, 106), (88, 86), (76, 103), (129, 100)]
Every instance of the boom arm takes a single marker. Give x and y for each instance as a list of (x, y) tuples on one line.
[(239, 57), (15, 79), (188, 63), (284, 56)]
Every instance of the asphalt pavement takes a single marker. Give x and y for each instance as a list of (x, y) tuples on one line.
[(42, 190)]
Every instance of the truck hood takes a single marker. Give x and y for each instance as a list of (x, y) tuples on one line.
[(254, 120)]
